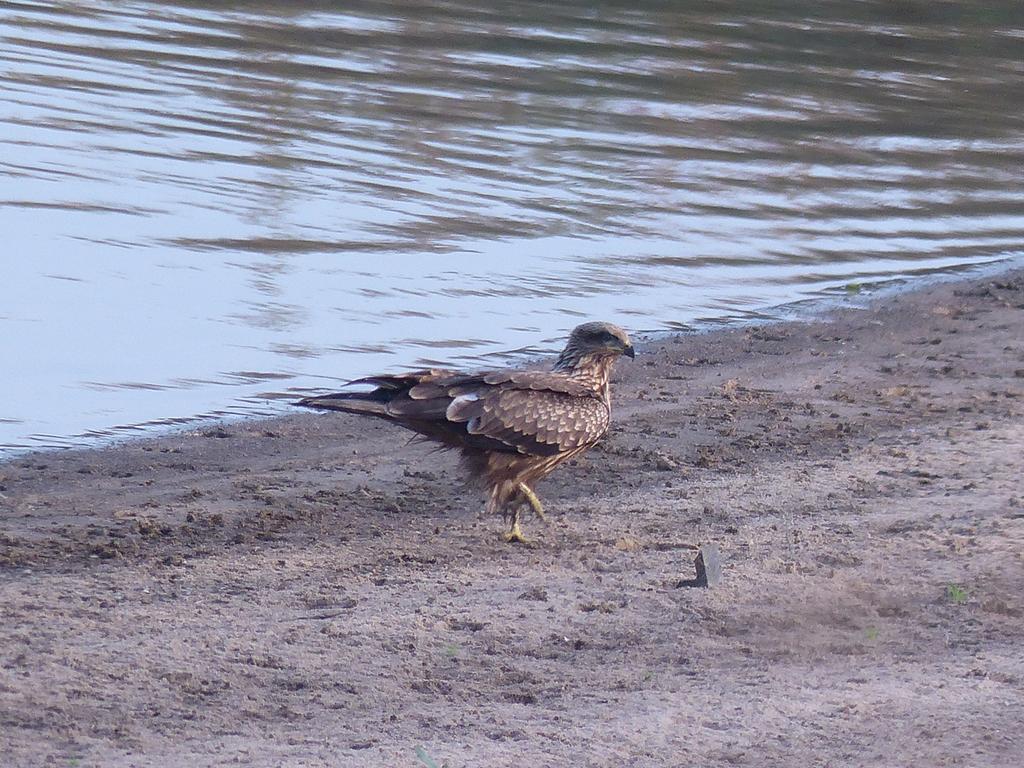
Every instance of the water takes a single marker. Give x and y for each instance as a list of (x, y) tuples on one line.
[(206, 210)]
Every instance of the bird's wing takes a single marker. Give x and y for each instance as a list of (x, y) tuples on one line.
[(543, 381), (537, 414), (528, 412)]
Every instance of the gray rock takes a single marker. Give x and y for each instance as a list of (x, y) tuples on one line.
[(708, 565)]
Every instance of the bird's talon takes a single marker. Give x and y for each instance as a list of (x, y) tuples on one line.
[(514, 535)]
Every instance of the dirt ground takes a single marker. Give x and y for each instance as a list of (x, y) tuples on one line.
[(311, 591)]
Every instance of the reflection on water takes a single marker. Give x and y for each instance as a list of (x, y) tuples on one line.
[(203, 207)]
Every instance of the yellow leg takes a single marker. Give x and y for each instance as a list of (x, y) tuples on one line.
[(534, 502), (514, 534)]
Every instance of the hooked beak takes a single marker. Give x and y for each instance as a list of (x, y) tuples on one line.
[(628, 351)]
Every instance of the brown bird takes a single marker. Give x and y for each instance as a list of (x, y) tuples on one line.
[(512, 427)]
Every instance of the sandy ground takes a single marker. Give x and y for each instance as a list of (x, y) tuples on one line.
[(311, 591)]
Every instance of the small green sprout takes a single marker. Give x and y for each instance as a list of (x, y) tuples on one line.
[(956, 594)]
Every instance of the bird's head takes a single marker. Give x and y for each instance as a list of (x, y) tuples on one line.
[(595, 341)]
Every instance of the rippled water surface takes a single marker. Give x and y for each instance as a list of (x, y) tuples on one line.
[(205, 209)]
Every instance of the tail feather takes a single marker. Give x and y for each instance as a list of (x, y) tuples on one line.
[(392, 397), (370, 403)]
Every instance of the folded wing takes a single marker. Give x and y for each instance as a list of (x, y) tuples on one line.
[(526, 412)]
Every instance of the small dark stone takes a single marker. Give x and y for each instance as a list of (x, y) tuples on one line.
[(708, 565)]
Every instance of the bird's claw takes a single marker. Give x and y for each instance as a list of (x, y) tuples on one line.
[(514, 535)]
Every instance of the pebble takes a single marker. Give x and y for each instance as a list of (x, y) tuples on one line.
[(709, 566)]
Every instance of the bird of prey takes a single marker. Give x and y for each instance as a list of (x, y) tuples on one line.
[(511, 427)]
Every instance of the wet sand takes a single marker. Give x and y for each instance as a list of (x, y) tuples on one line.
[(311, 591)]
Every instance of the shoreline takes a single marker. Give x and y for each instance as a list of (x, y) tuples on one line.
[(808, 308), (308, 589)]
